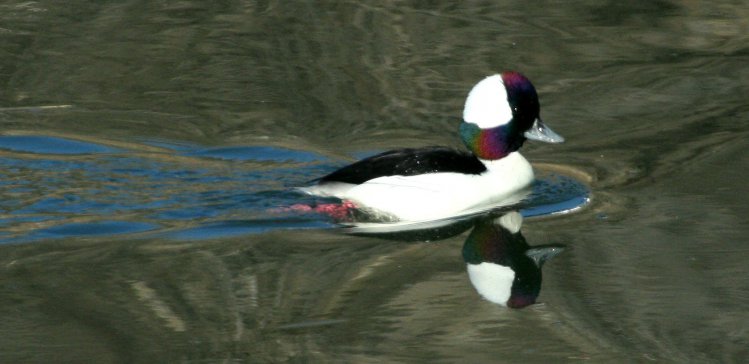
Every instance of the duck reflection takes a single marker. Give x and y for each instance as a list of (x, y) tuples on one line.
[(501, 265)]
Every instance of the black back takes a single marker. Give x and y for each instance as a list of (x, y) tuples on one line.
[(407, 162)]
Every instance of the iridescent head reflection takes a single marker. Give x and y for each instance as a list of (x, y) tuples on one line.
[(501, 265)]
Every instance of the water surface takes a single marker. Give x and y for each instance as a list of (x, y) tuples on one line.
[(142, 144)]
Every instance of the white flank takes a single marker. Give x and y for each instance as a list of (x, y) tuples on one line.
[(492, 281), (486, 105), (439, 195), (329, 189)]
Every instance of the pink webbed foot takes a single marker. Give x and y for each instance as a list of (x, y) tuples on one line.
[(337, 211)]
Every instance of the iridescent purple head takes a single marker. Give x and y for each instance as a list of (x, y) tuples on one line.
[(523, 100), (501, 111)]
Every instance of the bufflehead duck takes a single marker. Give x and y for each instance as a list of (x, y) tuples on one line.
[(429, 183)]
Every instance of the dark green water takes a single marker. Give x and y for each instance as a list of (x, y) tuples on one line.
[(142, 145)]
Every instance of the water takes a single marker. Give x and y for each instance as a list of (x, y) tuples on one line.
[(143, 144), (182, 191)]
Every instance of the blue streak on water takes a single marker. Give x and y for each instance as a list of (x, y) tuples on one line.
[(50, 145), (97, 228), (221, 195), (243, 227)]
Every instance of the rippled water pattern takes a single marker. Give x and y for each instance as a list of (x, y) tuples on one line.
[(142, 144), (181, 191)]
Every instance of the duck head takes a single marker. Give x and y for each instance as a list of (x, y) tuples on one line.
[(500, 113)]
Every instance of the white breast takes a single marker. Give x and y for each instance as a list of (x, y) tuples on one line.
[(439, 195)]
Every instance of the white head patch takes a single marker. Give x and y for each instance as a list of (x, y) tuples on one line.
[(486, 105), (492, 281), (511, 221)]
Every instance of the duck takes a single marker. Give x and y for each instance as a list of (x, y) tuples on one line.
[(501, 112)]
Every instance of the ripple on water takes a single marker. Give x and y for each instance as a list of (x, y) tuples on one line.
[(50, 145), (97, 228), (554, 193), (260, 154), (187, 193)]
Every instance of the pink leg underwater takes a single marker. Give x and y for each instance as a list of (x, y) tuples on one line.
[(338, 211)]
